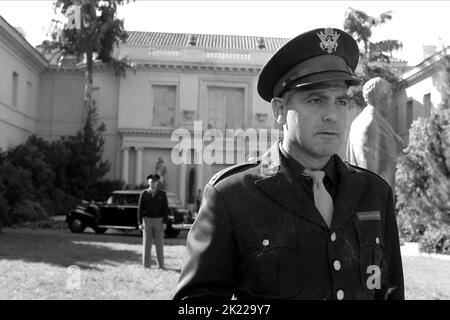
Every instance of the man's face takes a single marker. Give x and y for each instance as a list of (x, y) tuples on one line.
[(153, 183), (315, 118)]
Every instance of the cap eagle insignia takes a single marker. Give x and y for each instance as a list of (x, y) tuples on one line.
[(328, 40)]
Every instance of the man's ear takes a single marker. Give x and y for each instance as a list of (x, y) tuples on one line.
[(279, 110)]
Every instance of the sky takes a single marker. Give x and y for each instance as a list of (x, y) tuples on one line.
[(415, 23)]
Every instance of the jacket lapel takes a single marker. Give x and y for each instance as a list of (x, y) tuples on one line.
[(350, 191), (278, 185)]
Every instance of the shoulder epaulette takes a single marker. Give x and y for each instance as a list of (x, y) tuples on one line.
[(366, 170), (224, 172)]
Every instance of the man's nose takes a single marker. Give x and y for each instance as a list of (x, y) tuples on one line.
[(330, 112)]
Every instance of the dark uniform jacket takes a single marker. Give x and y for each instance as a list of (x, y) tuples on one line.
[(258, 235), (153, 207)]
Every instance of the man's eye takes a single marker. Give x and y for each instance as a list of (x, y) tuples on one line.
[(315, 100), (343, 103)]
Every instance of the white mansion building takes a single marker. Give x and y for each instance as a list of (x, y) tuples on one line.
[(179, 79)]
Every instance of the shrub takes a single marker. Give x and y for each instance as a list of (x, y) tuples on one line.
[(423, 179), (56, 174), (4, 213), (4, 207), (45, 224), (436, 241), (130, 186), (100, 190), (140, 186), (28, 211), (30, 156), (411, 179), (410, 225), (17, 183), (15, 187), (59, 203)]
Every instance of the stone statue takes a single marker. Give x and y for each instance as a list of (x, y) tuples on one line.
[(372, 142), (161, 170)]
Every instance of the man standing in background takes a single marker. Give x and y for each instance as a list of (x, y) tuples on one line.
[(152, 217)]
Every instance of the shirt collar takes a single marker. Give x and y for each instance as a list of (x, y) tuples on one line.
[(296, 168)]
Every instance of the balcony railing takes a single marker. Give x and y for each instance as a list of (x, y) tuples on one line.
[(213, 55), (228, 56)]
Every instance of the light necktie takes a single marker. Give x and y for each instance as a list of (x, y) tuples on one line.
[(322, 199)]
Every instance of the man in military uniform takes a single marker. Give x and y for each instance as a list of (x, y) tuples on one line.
[(298, 223), (153, 211)]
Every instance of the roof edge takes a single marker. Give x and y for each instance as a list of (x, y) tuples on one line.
[(21, 41)]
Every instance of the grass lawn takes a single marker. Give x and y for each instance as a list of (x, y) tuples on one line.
[(39, 264), (426, 278), (36, 264)]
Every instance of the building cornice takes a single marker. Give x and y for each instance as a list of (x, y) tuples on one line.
[(72, 71), (146, 132), (98, 66), (197, 67), (21, 46), (80, 67)]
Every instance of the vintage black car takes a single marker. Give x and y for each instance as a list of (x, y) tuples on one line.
[(119, 211)]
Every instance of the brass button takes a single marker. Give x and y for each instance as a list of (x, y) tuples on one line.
[(337, 265), (333, 236), (340, 294), (265, 242)]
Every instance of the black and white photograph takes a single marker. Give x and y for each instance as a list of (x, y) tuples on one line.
[(224, 150)]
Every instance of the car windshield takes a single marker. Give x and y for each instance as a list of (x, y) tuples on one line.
[(123, 199), (173, 200)]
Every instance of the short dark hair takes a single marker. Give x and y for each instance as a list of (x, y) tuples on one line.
[(153, 176)]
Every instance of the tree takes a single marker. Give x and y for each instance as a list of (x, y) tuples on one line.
[(100, 31), (375, 57), (85, 149), (360, 25)]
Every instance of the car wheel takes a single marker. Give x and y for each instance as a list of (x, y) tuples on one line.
[(170, 232), (99, 230), (76, 225)]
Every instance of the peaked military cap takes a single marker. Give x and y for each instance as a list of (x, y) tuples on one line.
[(318, 55)]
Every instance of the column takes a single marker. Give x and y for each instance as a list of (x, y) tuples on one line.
[(138, 177), (199, 172), (125, 164), (182, 184)]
